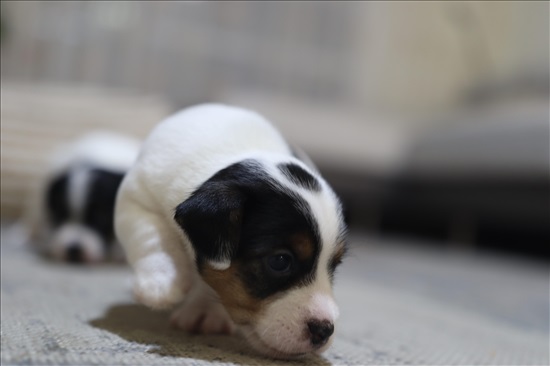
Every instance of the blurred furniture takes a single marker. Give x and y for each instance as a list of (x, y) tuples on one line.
[(36, 119), (481, 179), (404, 56)]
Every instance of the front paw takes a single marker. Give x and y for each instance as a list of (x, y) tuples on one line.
[(159, 282), (202, 316), (159, 292)]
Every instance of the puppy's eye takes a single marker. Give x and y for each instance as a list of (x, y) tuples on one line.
[(280, 263)]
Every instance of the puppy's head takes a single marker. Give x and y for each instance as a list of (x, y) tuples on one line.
[(79, 205), (268, 238)]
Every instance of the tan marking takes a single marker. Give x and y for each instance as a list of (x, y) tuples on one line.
[(302, 244), (243, 308)]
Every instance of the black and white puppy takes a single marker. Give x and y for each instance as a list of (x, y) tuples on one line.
[(218, 215), (71, 215)]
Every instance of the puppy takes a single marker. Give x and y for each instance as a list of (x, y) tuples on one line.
[(71, 215), (219, 216)]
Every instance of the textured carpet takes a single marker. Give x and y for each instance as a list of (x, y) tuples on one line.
[(398, 306)]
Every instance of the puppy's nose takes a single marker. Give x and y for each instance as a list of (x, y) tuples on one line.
[(320, 331), (74, 253)]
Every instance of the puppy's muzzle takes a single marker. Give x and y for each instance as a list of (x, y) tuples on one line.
[(319, 331), (74, 253)]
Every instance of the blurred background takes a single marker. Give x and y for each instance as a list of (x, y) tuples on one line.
[(430, 119)]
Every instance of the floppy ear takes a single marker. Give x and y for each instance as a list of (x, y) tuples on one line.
[(211, 217)]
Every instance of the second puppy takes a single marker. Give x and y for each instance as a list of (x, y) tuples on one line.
[(70, 216)]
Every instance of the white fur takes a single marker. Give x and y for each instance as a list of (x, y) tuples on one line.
[(78, 189), (220, 266), (181, 153)]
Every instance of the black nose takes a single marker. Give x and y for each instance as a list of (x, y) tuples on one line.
[(320, 331), (74, 253)]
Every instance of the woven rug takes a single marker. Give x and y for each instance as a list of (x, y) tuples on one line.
[(398, 305)]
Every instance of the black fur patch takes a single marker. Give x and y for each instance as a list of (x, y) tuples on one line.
[(99, 205), (57, 202), (100, 202), (244, 215), (300, 177)]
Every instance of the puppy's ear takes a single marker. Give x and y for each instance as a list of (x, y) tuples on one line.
[(211, 217)]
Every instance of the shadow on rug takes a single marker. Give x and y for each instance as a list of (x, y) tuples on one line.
[(136, 323)]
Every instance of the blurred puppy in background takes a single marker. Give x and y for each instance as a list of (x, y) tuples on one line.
[(70, 216)]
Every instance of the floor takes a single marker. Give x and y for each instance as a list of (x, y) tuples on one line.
[(399, 304)]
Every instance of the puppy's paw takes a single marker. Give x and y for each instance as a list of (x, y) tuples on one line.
[(158, 292), (158, 282), (202, 316)]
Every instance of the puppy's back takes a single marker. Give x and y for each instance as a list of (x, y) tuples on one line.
[(214, 130), (187, 148)]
